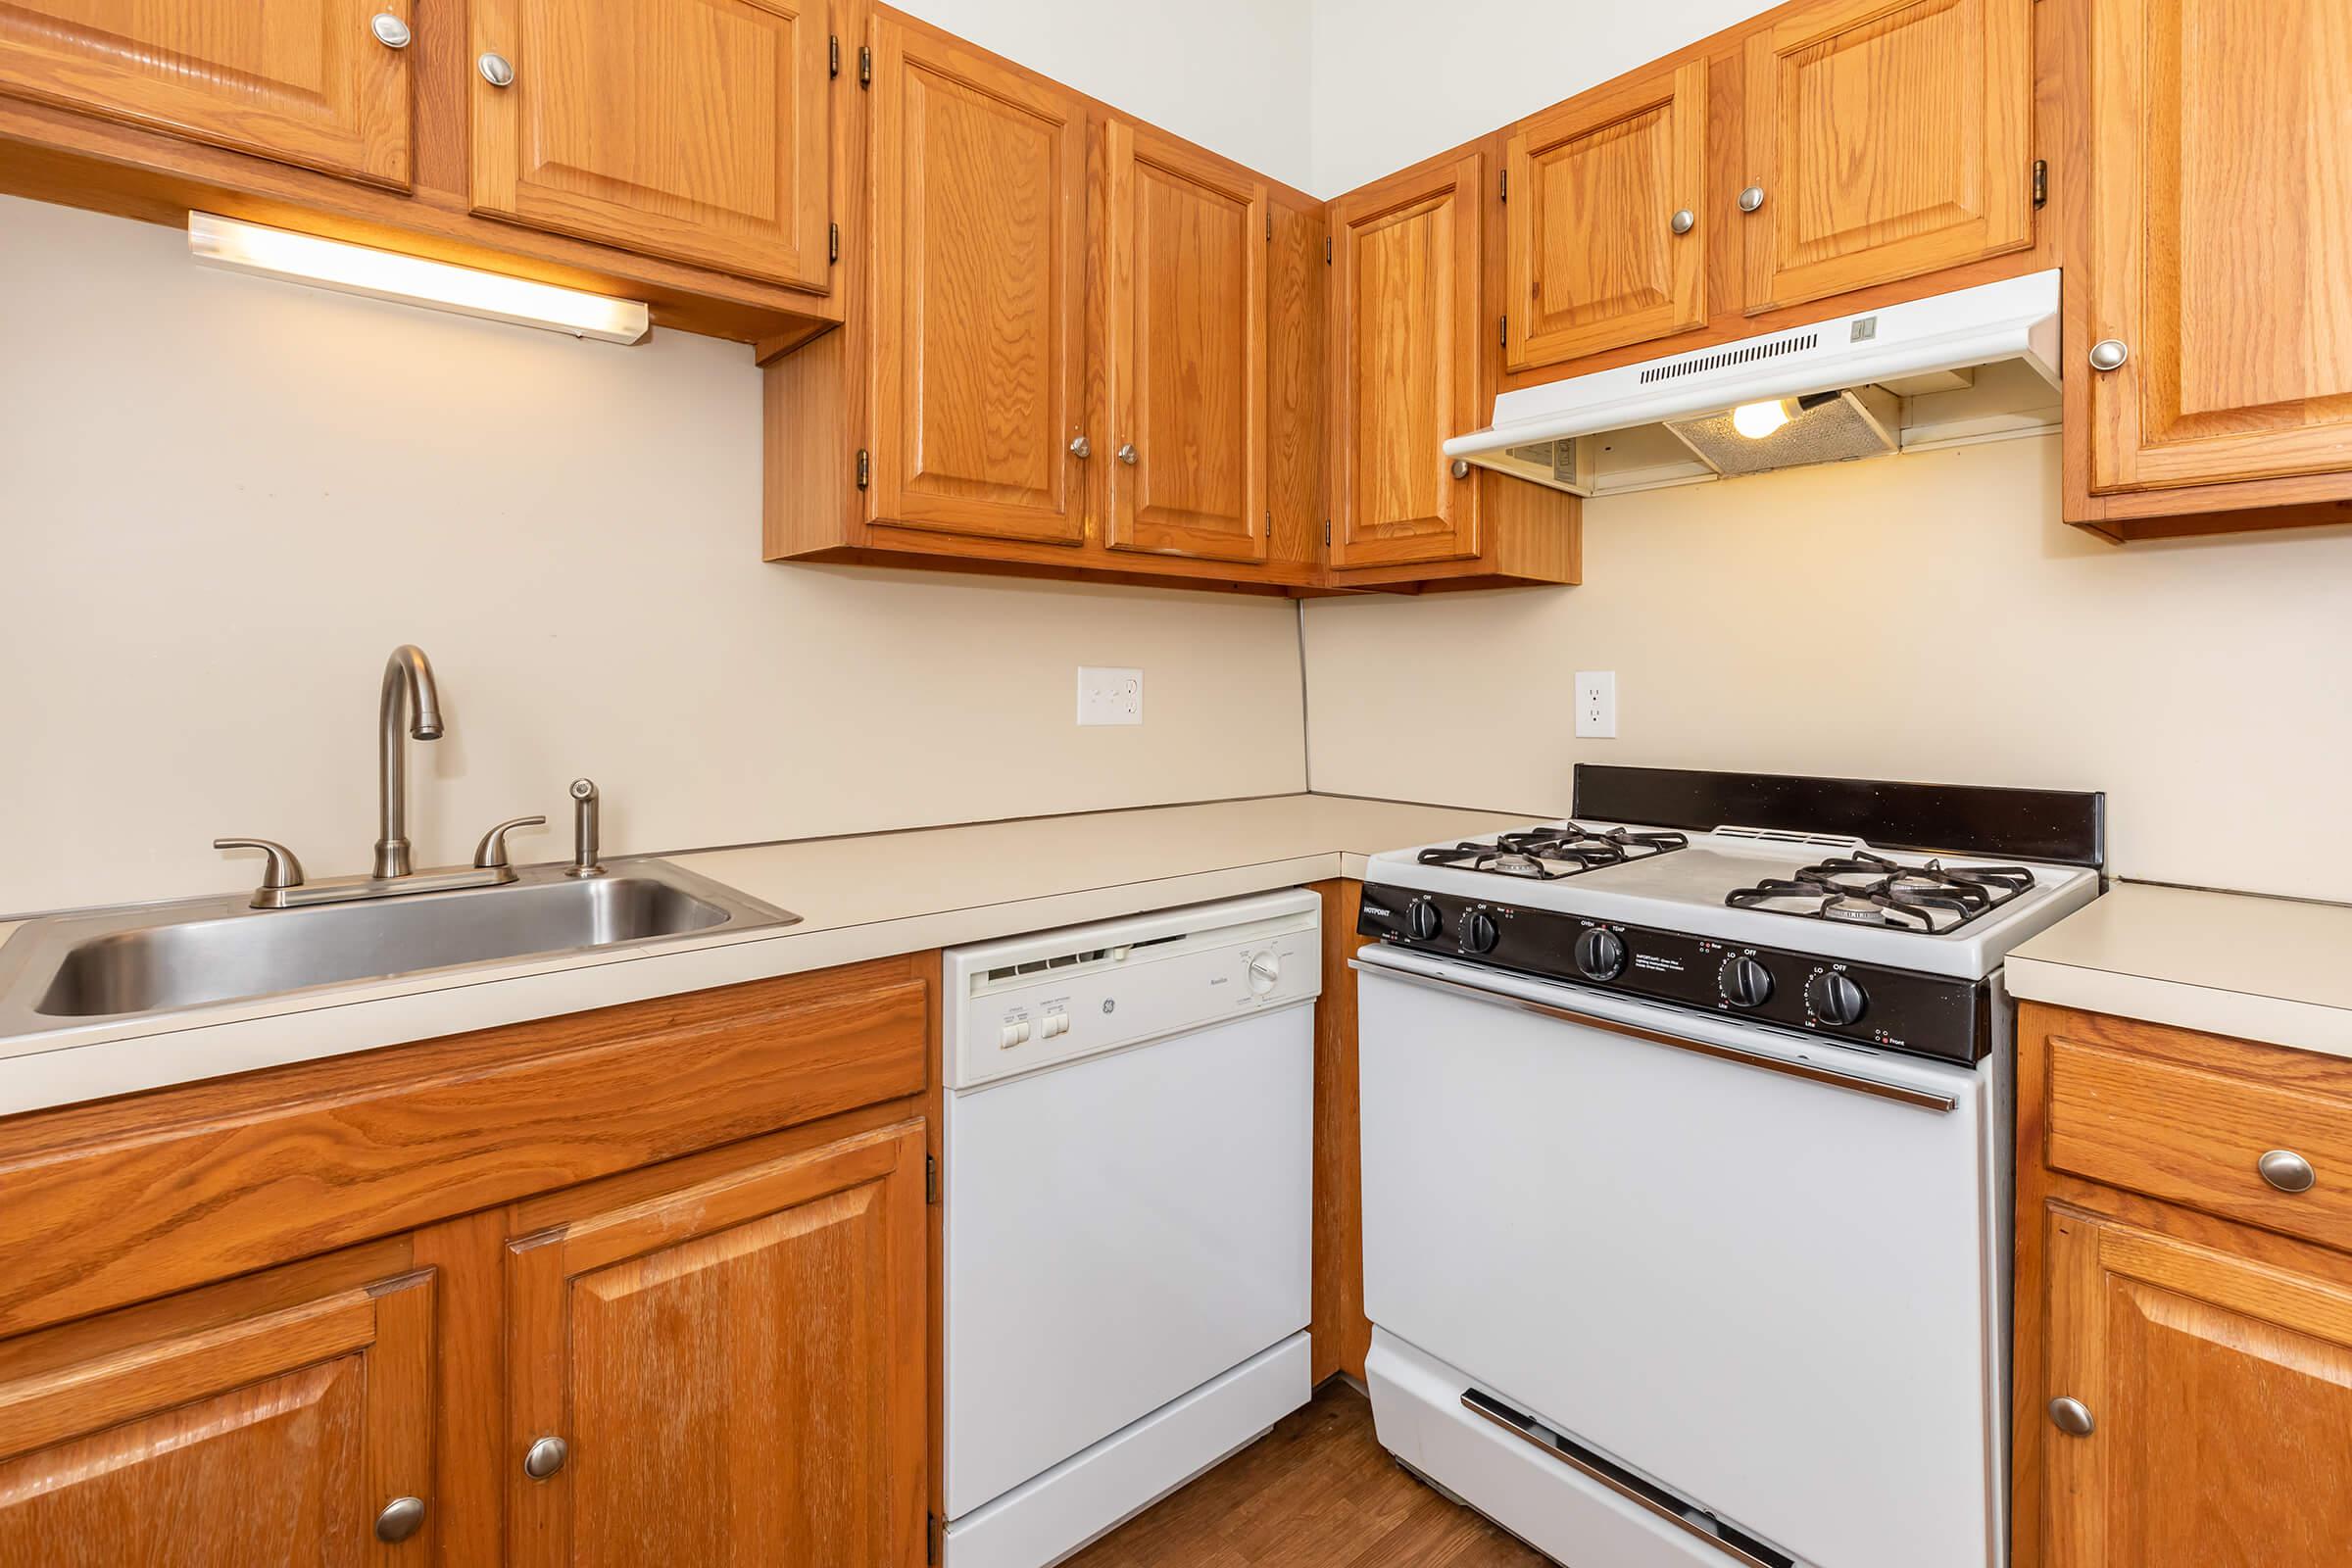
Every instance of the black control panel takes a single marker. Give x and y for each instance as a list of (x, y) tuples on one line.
[(1892, 1009)]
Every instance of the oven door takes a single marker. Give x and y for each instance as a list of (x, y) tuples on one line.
[(1763, 1271)]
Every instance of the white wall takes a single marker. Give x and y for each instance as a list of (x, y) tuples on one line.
[(1231, 74), (1395, 81), (223, 501), (1926, 616)]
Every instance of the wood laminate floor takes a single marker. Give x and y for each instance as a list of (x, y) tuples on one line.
[(1317, 1491)]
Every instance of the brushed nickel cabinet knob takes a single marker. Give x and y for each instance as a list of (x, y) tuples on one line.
[(1751, 198), (401, 1518), (496, 69), (1081, 447), (1682, 222), (2071, 1417), (1127, 454), (2109, 354), (389, 30), (545, 1457), (2286, 1170)]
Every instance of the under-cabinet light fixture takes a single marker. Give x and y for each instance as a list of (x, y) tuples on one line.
[(363, 270)]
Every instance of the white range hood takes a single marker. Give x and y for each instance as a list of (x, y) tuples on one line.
[(1896, 379)]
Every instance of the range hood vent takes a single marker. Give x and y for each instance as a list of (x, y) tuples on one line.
[(1975, 364)]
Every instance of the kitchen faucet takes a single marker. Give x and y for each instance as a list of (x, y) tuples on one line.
[(408, 681), (407, 693)]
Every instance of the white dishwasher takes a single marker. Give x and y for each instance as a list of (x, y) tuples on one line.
[(1126, 1207)]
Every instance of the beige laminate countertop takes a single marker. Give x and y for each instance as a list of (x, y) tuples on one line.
[(863, 896), (2228, 964)]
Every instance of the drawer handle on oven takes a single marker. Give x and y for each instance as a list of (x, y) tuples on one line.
[(1902, 1092), (1735, 1544), (2286, 1170)]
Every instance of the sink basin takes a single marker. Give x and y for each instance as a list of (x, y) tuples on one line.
[(156, 958)]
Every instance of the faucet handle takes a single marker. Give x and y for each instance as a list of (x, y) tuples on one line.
[(283, 870), (491, 854)]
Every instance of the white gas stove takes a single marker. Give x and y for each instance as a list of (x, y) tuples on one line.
[(1685, 1132)]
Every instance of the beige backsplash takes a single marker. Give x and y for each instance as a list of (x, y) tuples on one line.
[(1925, 616), (223, 501)]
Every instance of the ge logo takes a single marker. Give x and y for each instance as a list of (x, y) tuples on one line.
[(1109, 1005)]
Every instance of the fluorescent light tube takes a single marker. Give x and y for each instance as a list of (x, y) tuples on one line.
[(244, 247)]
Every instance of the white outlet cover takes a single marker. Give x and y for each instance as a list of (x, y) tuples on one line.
[(1596, 705), (1109, 695)]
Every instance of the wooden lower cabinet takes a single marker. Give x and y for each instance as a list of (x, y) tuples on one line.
[(733, 1357), (685, 1238), (266, 1422), (2219, 1389), (2184, 1379)]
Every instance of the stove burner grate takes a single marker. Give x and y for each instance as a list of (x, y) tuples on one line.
[(1868, 889), (1547, 855)]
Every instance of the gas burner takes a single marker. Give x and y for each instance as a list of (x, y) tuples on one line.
[(1866, 889), (1547, 854)]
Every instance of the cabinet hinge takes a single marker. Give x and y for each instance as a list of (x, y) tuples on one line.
[(866, 467), (1327, 250), (2041, 182), (865, 66), (930, 1179), (833, 242), (930, 1537), (1269, 222), (1503, 183), (833, 54), (1502, 331), (1327, 533)]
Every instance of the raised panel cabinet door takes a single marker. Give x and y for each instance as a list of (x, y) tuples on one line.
[(264, 1425), (691, 129), (1888, 140), (2220, 1396), (2221, 241), (1187, 361), (734, 1364), (1405, 335), (303, 82), (1606, 218), (979, 188)]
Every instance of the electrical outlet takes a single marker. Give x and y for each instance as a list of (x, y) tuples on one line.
[(1108, 696), (1596, 704)]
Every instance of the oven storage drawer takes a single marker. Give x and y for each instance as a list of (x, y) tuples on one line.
[(2191, 1128)]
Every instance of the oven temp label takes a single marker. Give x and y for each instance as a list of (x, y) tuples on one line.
[(1651, 960)]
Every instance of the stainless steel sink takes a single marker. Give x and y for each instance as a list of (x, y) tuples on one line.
[(81, 968)]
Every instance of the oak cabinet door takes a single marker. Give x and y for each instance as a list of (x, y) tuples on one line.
[(1405, 333), (735, 1364), (1888, 140), (1186, 328), (979, 187), (2221, 241), (253, 1426), (692, 130), (1598, 189), (303, 82), (2219, 1392)]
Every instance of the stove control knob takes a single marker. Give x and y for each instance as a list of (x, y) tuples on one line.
[(1477, 932), (1600, 955), (1421, 920), (1745, 982), (1836, 999)]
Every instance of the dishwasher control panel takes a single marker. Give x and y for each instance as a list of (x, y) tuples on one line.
[(1026, 1003)]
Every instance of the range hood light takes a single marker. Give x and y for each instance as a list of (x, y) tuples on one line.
[(1757, 420), (239, 246)]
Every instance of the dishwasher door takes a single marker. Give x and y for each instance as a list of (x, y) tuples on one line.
[(1117, 1231)]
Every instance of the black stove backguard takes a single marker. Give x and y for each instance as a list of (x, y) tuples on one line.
[(2064, 827)]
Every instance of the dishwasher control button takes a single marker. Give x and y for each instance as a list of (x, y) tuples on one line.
[(1054, 1024), (1014, 1034)]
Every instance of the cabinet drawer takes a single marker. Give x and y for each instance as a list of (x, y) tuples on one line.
[(2196, 1135)]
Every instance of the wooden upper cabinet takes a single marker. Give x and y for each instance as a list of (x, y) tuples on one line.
[(2221, 1395), (979, 281), (694, 129), (733, 1352), (1888, 140), (1597, 189), (266, 1422), (304, 82), (1185, 362), (1406, 344), (2221, 241)]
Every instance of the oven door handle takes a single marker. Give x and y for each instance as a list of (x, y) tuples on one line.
[(1902, 1094)]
